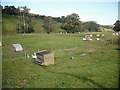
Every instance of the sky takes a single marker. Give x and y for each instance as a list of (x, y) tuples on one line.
[(104, 12)]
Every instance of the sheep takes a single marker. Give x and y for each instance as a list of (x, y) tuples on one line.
[(91, 35), (90, 39), (84, 39), (116, 33), (103, 35), (97, 35), (86, 36), (98, 38), (113, 33)]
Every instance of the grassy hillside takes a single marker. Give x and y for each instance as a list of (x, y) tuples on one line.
[(39, 26), (99, 69), (10, 23)]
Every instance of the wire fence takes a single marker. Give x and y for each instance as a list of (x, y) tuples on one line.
[(13, 55)]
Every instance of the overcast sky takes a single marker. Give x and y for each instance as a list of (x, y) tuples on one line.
[(104, 12)]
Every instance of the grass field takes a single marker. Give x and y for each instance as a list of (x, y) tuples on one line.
[(99, 69)]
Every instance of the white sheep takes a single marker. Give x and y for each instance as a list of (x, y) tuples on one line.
[(97, 35), (98, 38), (86, 36), (84, 39), (90, 39), (91, 35), (103, 35), (113, 33), (116, 33)]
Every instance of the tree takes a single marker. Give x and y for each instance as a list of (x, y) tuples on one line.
[(10, 10), (48, 24), (72, 23), (91, 26), (117, 26), (26, 25), (62, 19)]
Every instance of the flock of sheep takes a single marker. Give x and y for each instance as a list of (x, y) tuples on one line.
[(89, 37)]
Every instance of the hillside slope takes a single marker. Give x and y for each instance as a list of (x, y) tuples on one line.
[(10, 22)]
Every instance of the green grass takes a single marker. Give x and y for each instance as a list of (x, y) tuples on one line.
[(9, 24), (99, 69), (39, 26)]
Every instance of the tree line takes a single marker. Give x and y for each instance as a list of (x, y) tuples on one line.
[(70, 23)]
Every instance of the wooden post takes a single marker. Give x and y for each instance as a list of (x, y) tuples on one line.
[(25, 53)]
